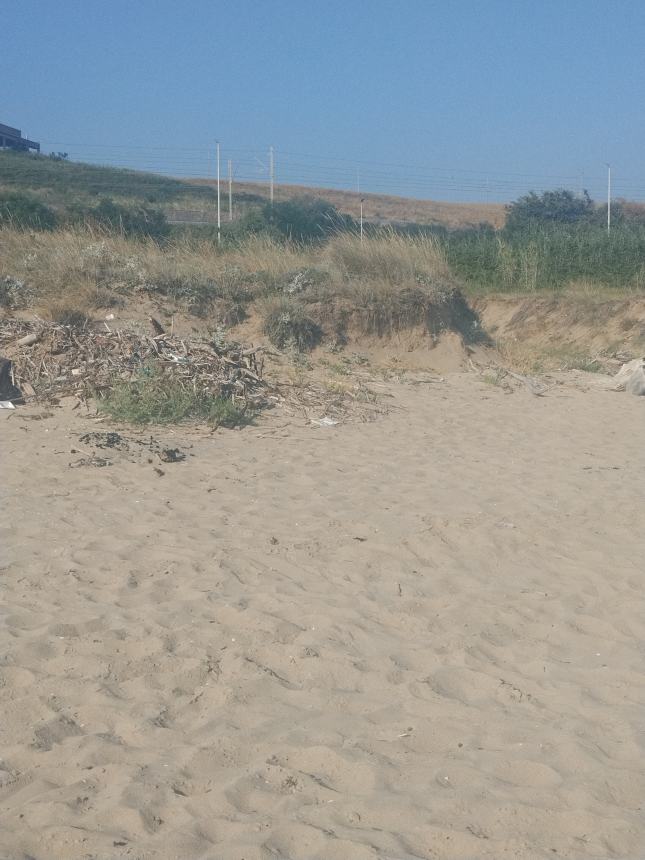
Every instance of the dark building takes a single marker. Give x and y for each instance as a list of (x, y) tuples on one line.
[(11, 138)]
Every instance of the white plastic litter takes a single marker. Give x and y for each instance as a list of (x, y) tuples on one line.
[(6, 404), (324, 422), (631, 377)]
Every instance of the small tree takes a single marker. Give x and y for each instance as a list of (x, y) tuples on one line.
[(551, 207), (306, 219)]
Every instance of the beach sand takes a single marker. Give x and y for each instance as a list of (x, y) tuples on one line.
[(419, 637)]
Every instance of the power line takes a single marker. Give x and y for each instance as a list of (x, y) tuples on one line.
[(329, 172), (353, 162), (315, 159)]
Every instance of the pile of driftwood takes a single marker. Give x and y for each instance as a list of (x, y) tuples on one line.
[(49, 361)]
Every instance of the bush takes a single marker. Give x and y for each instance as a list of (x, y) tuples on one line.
[(14, 293), (286, 324), (155, 397), (25, 212), (306, 219), (254, 222), (135, 221), (550, 208)]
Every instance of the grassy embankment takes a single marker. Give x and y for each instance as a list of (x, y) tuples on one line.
[(302, 296), (303, 293), (552, 257), (381, 285)]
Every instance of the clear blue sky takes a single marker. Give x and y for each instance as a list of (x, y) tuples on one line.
[(476, 99)]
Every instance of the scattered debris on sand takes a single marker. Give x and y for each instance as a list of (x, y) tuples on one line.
[(115, 446), (49, 360)]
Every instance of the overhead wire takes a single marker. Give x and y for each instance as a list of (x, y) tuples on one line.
[(331, 172)]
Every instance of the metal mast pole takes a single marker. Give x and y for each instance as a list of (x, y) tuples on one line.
[(271, 174), (230, 190), (219, 209), (608, 199), (358, 188)]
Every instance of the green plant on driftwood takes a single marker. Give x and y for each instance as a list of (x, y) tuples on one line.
[(156, 397)]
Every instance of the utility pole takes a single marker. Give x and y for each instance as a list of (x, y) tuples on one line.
[(358, 189), (608, 199), (219, 210), (271, 174), (230, 190)]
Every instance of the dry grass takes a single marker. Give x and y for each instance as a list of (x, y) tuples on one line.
[(382, 284), (387, 257), (543, 358), (63, 262), (390, 282)]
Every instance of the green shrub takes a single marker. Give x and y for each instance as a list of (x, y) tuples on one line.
[(14, 293), (134, 221), (551, 207), (286, 324), (157, 397), (25, 212), (306, 219), (253, 222)]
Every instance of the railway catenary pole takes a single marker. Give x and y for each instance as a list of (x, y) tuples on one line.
[(230, 190), (219, 209), (608, 199), (358, 189)]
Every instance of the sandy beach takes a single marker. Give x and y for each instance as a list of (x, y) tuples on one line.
[(419, 637)]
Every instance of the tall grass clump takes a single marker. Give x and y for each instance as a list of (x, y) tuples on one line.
[(549, 257), (387, 256), (551, 240), (75, 268), (269, 260)]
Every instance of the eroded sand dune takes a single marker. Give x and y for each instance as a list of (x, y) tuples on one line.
[(415, 638)]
